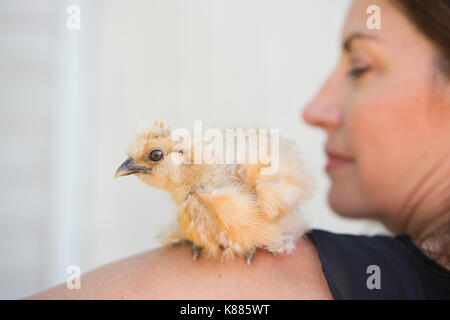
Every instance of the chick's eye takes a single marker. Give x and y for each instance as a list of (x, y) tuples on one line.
[(155, 155)]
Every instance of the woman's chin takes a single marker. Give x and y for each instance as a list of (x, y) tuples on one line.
[(346, 204)]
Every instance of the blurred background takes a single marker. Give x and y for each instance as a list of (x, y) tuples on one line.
[(71, 100)]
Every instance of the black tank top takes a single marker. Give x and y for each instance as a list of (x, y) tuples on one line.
[(378, 267)]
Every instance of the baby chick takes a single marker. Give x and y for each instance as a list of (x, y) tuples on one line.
[(224, 209)]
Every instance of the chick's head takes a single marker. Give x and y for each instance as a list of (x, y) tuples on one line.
[(151, 159)]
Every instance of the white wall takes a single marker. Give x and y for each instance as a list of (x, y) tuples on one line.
[(26, 84), (225, 62)]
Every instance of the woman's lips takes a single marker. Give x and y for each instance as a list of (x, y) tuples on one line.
[(336, 161)]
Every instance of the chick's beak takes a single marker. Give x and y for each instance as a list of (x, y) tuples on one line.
[(128, 168)]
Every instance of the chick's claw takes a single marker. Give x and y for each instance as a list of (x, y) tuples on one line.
[(196, 251), (249, 256)]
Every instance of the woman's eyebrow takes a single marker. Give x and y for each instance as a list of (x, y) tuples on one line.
[(346, 45)]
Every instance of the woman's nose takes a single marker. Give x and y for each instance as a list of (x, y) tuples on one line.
[(323, 110), (326, 117)]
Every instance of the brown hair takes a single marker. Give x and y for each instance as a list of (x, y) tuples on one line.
[(432, 19)]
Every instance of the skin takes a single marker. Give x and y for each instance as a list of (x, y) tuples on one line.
[(390, 121), (170, 273)]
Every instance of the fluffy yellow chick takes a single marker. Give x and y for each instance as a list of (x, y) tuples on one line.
[(226, 209)]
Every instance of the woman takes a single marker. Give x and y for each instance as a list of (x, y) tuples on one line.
[(386, 110)]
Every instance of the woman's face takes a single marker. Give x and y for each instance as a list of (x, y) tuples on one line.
[(386, 108)]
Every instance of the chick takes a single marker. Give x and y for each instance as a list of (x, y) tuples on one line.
[(223, 209)]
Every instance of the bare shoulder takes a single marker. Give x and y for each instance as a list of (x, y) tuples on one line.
[(170, 273)]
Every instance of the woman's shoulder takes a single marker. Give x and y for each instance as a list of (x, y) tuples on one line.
[(170, 273), (378, 267)]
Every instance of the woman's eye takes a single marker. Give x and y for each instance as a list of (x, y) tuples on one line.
[(155, 155), (357, 72)]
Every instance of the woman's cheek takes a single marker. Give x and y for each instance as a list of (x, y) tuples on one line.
[(372, 137), (387, 131)]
